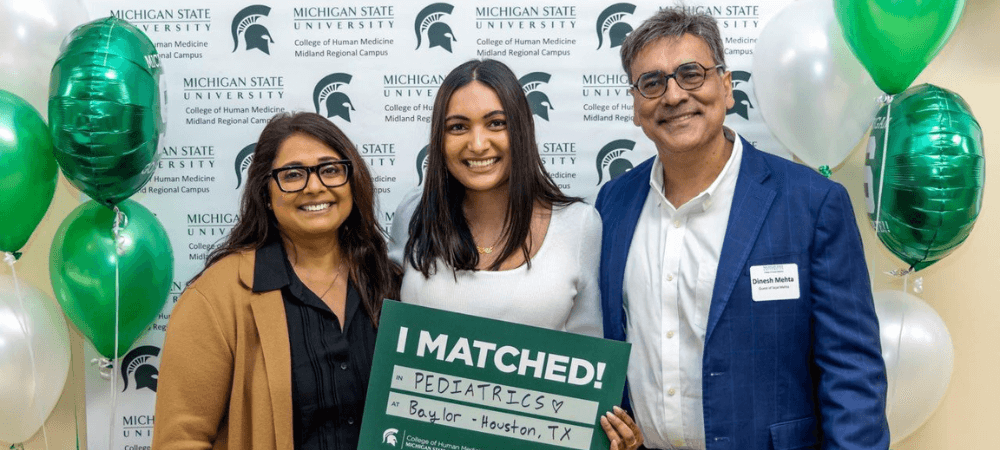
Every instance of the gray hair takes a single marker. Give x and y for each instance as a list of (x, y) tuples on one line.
[(672, 23)]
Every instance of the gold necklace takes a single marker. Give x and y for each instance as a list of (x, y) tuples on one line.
[(331, 284), (484, 250)]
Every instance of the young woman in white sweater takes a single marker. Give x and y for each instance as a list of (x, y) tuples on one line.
[(490, 234)]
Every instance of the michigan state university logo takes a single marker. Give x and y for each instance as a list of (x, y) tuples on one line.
[(429, 24), (421, 165), (540, 103), (243, 160), (611, 160), (610, 23), (741, 100), (254, 34), (389, 436), (327, 93), (138, 365)]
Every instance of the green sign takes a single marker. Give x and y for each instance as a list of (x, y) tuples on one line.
[(449, 381)]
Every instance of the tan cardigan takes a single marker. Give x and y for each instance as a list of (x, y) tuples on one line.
[(225, 370)]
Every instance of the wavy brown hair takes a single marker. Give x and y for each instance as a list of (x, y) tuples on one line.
[(361, 238), (438, 228)]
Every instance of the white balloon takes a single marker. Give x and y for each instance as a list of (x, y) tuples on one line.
[(814, 95), (918, 354), (31, 32), (34, 336)]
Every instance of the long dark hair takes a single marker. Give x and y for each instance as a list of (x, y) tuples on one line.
[(438, 228), (361, 239)]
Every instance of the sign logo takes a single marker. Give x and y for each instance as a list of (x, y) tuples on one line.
[(540, 103), (138, 365), (389, 436), (429, 22), (421, 165), (327, 92), (610, 159), (741, 104), (254, 34), (610, 23), (243, 160)]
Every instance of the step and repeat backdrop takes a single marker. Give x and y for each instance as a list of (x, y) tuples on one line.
[(373, 68)]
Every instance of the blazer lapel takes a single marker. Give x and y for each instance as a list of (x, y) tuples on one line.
[(626, 209), (269, 316), (751, 202)]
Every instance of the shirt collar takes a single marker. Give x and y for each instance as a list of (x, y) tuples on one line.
[(269, 270), (702, 201)]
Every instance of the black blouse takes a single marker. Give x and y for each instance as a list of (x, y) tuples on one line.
[(330, 366)]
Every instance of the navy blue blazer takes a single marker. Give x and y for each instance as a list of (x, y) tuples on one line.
[(783, 374)]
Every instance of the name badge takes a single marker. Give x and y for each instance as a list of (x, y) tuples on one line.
[(774, 282)]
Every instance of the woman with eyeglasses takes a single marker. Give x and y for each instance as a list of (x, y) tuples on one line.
[(270, 346), (491, 235)]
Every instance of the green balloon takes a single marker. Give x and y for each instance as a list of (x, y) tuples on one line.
[(104, 109), (27, 171), (895, 39), (925, 199), (82, 271)]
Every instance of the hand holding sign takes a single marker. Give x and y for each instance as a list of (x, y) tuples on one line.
[(621, 430)]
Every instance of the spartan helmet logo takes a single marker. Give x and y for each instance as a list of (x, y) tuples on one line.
[(389, 436), (243, 160), (421, 165), (137, 363), (254, 34), (540, 103), (741, 101), (610, 23), (327, 92), (439, 34), (610, 159)]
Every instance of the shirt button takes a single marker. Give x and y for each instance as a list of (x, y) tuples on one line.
[(677, 224), (350, 421), (670, 277), (670, 334), (671, 392), (708, 203), (343, 366)]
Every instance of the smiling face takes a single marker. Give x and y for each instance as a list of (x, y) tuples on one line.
[(317, 210), (476, 142), (682, 121)]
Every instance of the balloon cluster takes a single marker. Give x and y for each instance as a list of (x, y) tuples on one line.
[(849, 67), (110, 269), (111, 263)]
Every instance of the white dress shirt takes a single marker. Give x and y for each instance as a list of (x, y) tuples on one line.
[(669, 278)]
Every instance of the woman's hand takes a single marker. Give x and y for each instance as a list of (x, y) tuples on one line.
[(621, 430)]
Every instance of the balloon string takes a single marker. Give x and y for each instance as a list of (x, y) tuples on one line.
[(120, 222), (895, 367), (879, 227), (76, 401), (11, 259)]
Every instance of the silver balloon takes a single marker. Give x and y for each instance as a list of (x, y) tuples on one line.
[(34, 359), (814, 95), (31, 32), (918, 354)]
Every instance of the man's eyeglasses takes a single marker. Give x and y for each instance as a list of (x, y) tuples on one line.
[(330, 173), (689, 76)]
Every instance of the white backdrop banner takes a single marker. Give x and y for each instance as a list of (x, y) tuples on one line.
[(373, 68)]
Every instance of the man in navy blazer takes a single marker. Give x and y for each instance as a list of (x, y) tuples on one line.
[(739, 277)]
